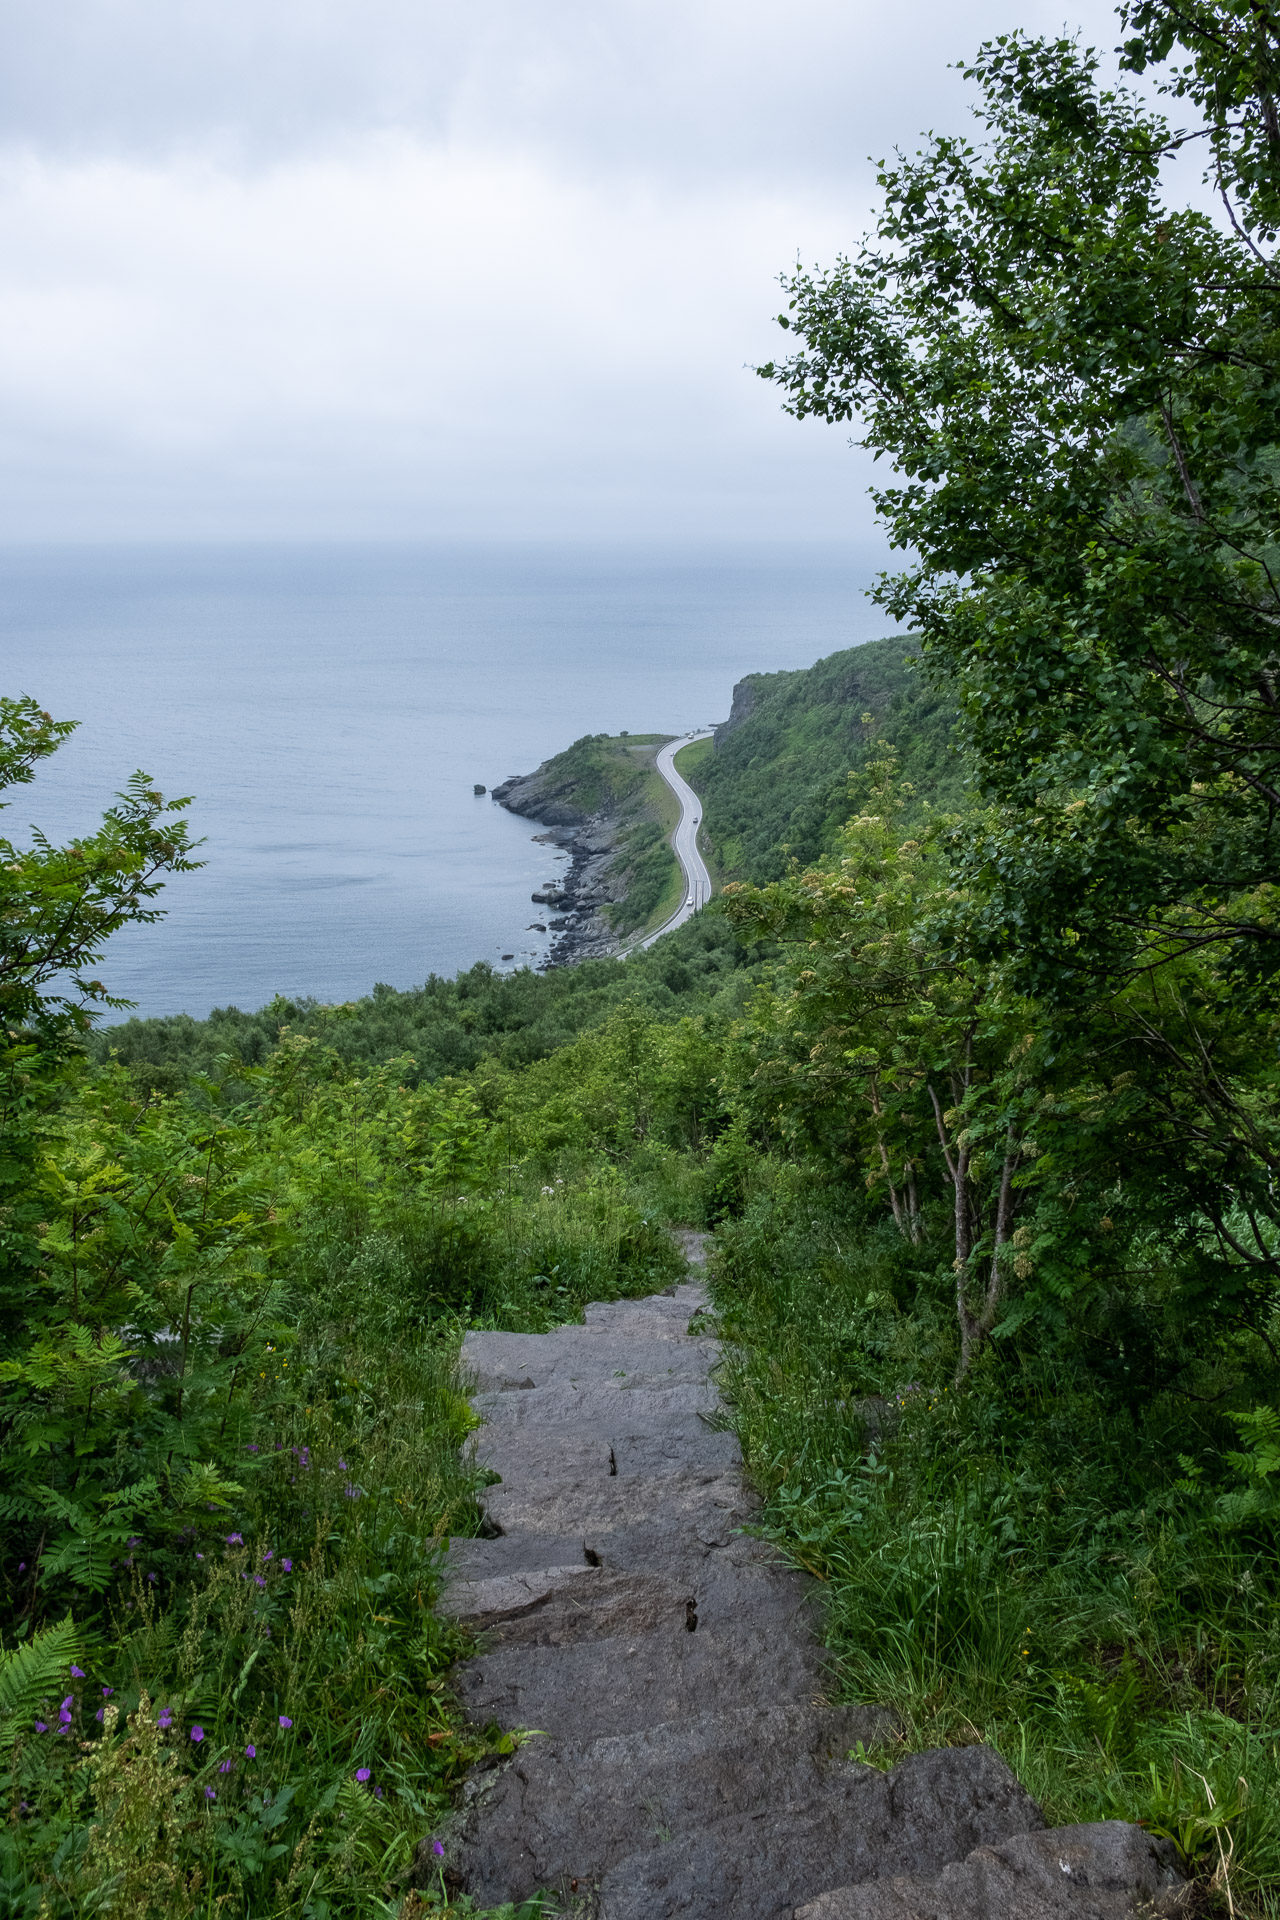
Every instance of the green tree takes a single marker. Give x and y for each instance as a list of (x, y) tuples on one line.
[(1076, 383)]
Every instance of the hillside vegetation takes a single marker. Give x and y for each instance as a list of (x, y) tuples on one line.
[(776, 786), (971, 1071)]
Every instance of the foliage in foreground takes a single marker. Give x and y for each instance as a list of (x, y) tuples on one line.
[(1077, 1577)]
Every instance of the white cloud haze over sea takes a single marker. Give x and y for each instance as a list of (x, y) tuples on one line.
[(298, 268)]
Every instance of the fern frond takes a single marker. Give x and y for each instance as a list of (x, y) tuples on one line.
[(32, 1671)]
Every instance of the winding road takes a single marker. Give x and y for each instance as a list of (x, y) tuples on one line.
[(684, 841)]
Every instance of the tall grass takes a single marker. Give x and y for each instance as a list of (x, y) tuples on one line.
[(257, 1718), (1034, 1562)]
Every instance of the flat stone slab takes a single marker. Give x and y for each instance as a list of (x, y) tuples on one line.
[(566, 1809), (1107, 1870), (680, 1757), (759, 1865)]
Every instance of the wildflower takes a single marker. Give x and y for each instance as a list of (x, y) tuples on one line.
[(343, 1465), (152, 1578), (251, 1449), (107, 1692), (268, 1555), (164, 1719), (287, 1565), (362, 1774), (285, 1722), (197, 1734), (258, 1580), (77, 1673), (377, 1793), (251, 1752), (209, 1794), (100, 1714), (134, 1540), (352, 1493), (64, 1711), (226, 1766), (235, 1539), (42, 1726), (199, 1556), (22, 1566), (438, 1849)]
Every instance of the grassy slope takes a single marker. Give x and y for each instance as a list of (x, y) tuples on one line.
[(776, 785)]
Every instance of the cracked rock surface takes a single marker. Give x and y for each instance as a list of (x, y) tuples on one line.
[(687, 1758)]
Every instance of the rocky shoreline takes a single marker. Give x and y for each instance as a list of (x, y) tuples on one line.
[(576, 901)]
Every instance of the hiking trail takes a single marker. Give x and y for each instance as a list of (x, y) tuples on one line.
[(687, 1760)]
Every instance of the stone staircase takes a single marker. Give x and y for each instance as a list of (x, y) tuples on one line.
[(684, 1758)]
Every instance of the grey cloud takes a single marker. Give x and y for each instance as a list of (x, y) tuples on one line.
[(760, 89)]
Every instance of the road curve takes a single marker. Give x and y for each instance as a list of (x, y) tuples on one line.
[(684, 841)]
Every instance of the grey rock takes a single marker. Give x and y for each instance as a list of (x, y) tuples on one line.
[(564, 1606), (568, 1809), (1105, 1871), (759, 1865), (627, 1682)]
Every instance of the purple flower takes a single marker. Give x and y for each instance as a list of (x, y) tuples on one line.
[(134, 1540), (209, 1794), (64, 1711), (107, 1692), (258, 1580), (199, 1556), (377, 1793), (287, 1565), (152, 1578), (197, 1734), (362, 1773), (42, 1726), (100, 1713), (226, 1766), (251, 1752), (251, 1449), (268, 1555), (77, 1673), (343, 1465), (437, 1849), (164, 1719), (352, 1493), (285, 1721), (22, 1566), (235, 1539)]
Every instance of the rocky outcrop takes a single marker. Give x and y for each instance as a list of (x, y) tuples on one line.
[(745, 696), (597, 874), (1107, 1870), (688, 1760)]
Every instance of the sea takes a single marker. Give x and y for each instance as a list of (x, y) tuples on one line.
[(330, 709)]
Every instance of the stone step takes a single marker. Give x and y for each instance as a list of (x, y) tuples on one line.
[(673, 1313), (601, 1402), (761, 1864), (566, 1810), (563, 1606), (1107, 1870), (711, 1502), (505, 1361), (626, 1446), (621, 1684)]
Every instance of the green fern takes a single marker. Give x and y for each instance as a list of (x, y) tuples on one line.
[(30, 1673)]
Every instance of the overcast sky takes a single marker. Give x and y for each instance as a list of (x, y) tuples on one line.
[(484, 269)]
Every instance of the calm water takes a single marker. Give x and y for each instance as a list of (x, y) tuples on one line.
[(331, 710)]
